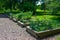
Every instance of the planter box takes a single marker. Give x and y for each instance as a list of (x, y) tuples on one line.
[(43, 34)]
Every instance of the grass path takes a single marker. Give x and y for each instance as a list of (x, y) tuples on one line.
[(11, 31)]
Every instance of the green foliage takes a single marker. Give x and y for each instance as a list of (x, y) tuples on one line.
[(40, 25), (27, 6), (39, 11), (44, 22), (52, 6), (25, 16), (21, 16), (24, 10)]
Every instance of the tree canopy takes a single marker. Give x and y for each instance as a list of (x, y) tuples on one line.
[(53, 6)]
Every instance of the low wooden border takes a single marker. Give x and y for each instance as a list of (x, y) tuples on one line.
[(43, 34), (19, 22), (22, 24), (14, 19)]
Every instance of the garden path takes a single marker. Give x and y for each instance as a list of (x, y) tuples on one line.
[(9, 30)]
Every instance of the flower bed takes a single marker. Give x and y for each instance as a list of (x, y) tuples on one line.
[(44, 25), (21, 18), (41, 26)]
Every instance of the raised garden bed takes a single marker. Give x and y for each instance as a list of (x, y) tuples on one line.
[(21, 17), (43, 34), (44, 26), (39, 26)]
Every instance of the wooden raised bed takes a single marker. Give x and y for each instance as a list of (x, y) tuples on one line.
[(43, 34)]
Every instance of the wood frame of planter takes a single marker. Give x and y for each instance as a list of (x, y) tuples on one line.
[(15, 20), (22, 24), (19, 22), (43, 34)]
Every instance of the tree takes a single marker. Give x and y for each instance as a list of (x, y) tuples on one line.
[(28, 5), (51, 5)]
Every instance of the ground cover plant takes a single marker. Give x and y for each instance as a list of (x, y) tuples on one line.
[(45, 22), (38, 22), (21, 16), (25, 16)]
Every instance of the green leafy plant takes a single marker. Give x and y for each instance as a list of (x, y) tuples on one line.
[(25, 16), (40, 25), (22, 16)]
